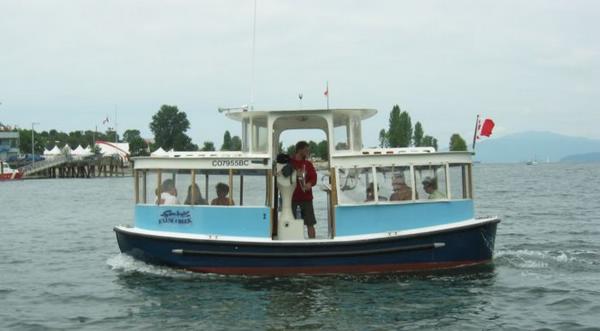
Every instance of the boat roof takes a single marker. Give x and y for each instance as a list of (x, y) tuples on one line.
[(364, 113)]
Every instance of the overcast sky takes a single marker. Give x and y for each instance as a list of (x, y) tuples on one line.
[(529, 65)]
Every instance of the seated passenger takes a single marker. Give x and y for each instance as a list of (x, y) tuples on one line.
[(430, 186), (198, 200), (371, 193), (168, 195), (222, 199), (402, 191)]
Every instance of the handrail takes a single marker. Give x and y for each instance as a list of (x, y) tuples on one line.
[(45, 164)]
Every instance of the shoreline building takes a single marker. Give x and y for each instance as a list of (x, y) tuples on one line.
[(9, 143)]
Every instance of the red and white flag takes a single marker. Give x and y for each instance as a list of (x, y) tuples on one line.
[(326, 93), (482, 129), (487, 127)]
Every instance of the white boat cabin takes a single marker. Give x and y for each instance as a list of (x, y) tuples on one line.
[(369, 190)]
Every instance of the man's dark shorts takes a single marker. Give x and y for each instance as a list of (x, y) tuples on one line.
[(308, 213)]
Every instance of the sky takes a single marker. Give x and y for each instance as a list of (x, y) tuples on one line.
[(528, 65)]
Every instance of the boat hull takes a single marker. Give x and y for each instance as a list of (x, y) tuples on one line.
[(440, 249), (11, 176)]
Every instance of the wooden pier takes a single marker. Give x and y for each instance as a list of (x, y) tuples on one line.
[(106, 166)]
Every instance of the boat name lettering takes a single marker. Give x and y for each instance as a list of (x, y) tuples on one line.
[(231, 163), (175, 217)]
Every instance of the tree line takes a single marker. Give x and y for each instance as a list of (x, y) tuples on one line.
[(401, 133), (169, 126)]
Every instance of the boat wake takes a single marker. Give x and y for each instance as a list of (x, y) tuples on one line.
[(128, 265), (531, 259)]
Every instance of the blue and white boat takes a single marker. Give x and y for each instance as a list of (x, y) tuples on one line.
[(379, 216)]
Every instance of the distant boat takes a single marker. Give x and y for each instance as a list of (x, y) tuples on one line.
[(533, 161), (7, 173)]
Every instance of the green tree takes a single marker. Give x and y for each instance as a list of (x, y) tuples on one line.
[(25, 142), (226, 142), (112, 135), (137, 145), (393, 133), (457, 143), (400, 130), (418, 135), (236, 143), (405, 130), (429, 141), (209, 146), (169, 126), (323, 150), (383, 141), (313, 147)]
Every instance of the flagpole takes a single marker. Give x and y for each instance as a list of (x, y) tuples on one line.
[(475, 132), (253, 60), (116, 135)]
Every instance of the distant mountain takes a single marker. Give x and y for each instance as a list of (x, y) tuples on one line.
[(533, 145), (587, 157)]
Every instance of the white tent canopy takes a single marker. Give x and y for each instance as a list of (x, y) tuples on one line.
[(55, 151), (87, 151), (82, 152), (159, 152), (77, 151)]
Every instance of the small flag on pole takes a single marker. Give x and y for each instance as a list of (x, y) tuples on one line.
[(482, 129), (487, 127), (105, 121)]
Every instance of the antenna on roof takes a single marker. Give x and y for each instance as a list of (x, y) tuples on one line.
[(253, 55)]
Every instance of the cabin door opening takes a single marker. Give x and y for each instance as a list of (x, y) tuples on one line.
[(319, 157)]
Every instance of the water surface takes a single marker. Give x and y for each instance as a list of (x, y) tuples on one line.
[(60, 267)]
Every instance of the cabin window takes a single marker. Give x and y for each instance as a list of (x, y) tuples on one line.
[(355, 185), (220, 189), (394, 184), (431, 182), (340, 135), (236, 187), (460, 178), (203, 187), (251, 187), (187, 193), (154, 184), (260, 135), (140, 186), (245, 135)]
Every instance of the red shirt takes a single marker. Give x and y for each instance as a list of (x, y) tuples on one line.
[(311, 177)]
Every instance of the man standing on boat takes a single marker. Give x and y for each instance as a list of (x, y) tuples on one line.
[(307, 178)]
